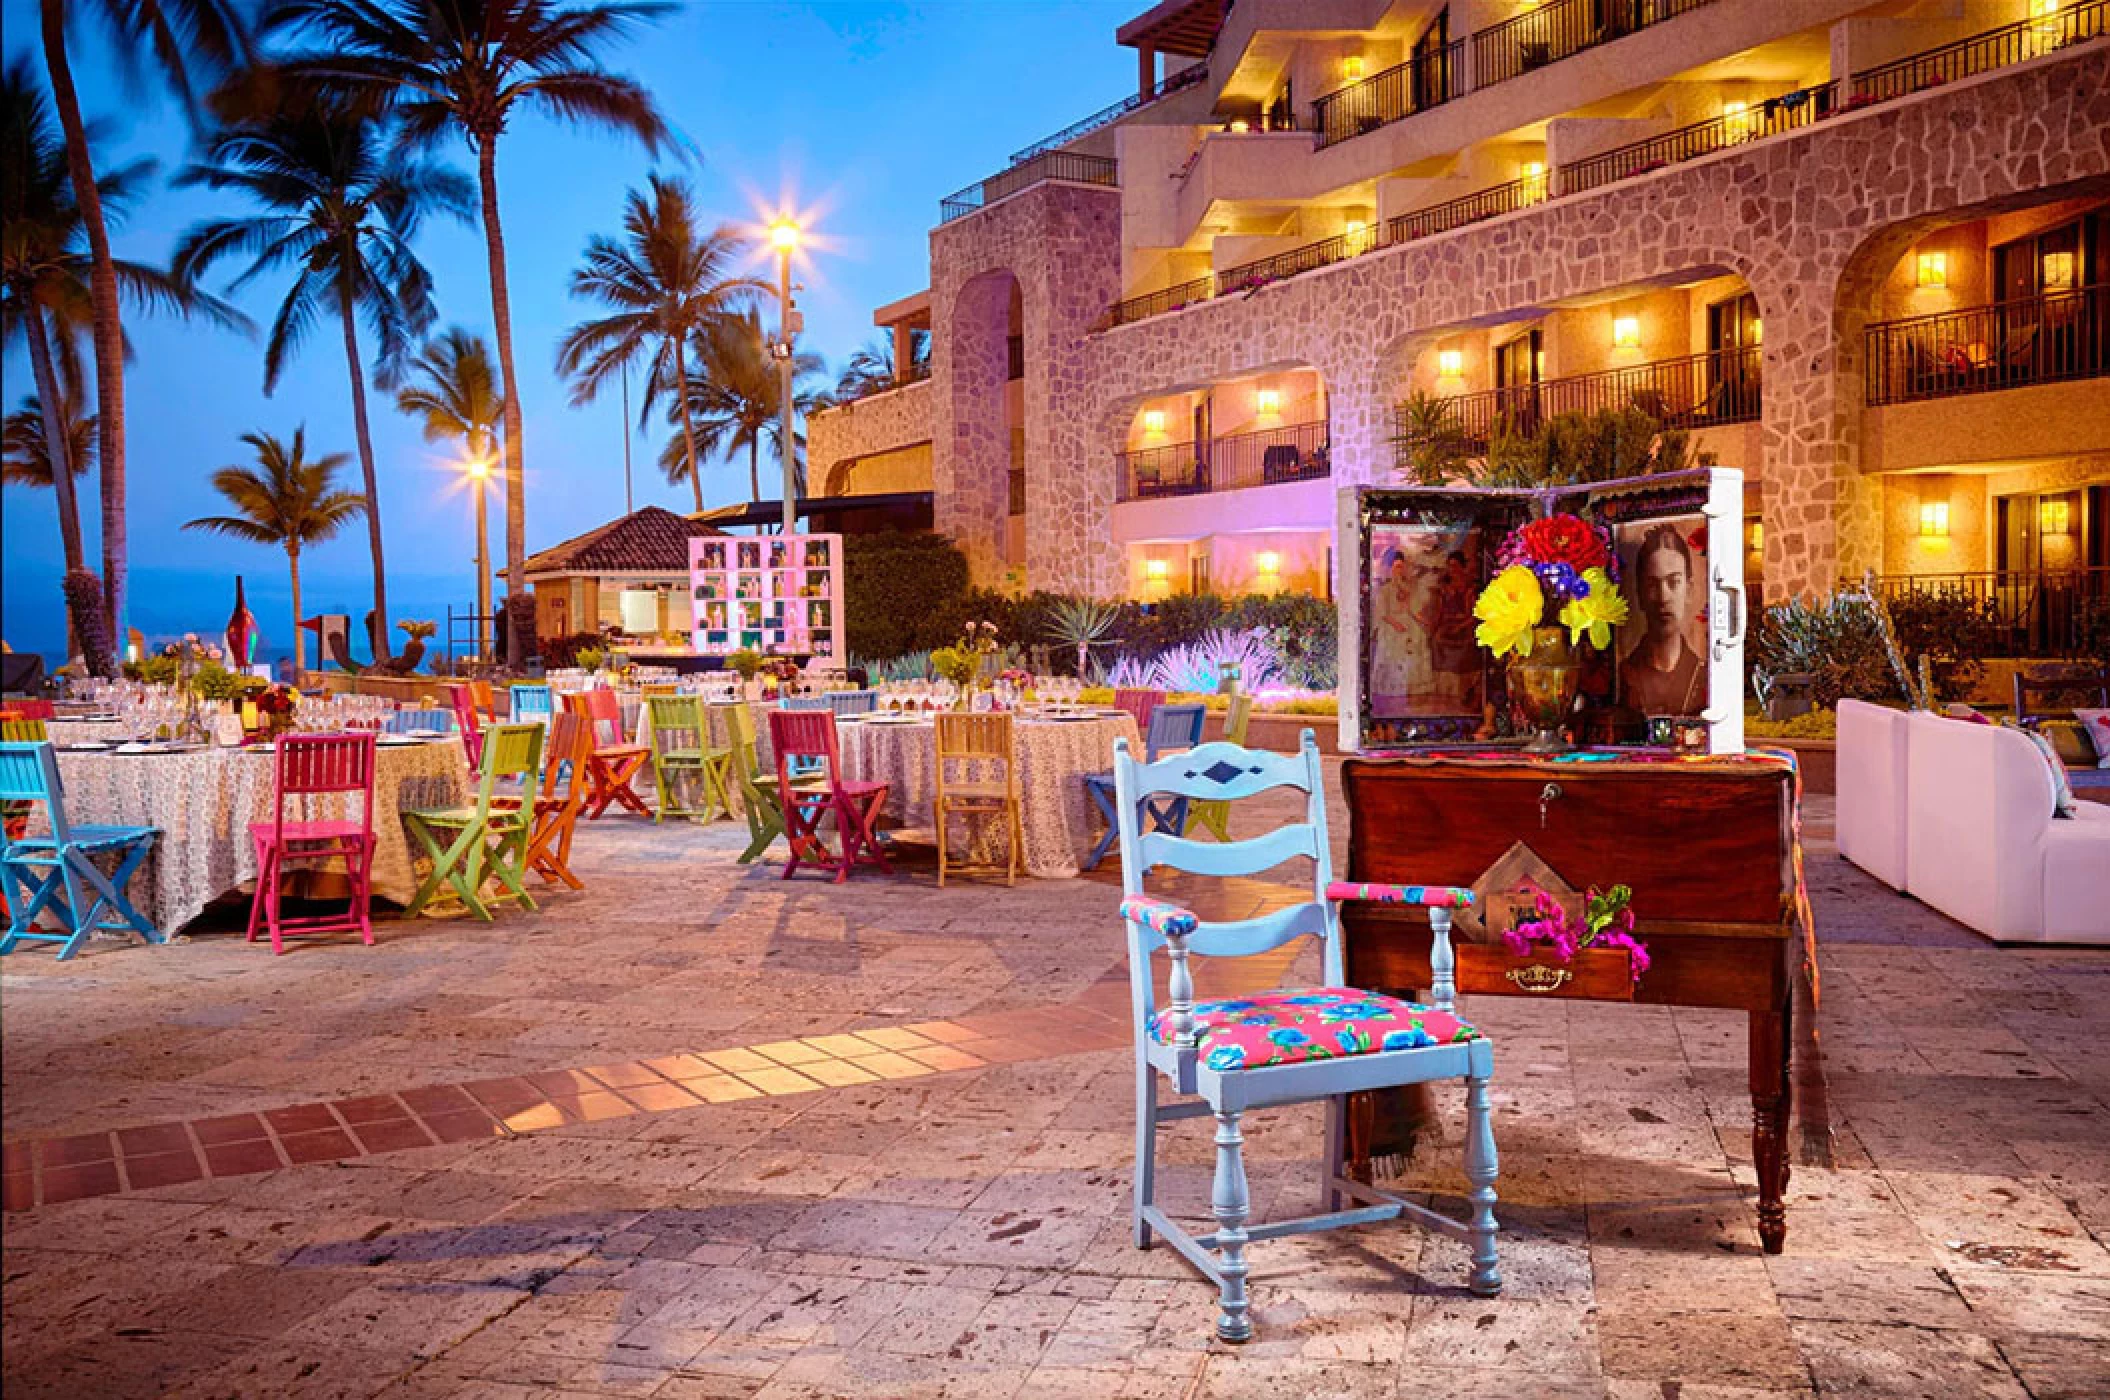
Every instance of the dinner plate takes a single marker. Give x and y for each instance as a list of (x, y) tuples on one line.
[(85, 746)]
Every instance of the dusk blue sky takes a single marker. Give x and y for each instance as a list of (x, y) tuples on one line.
[(865, 114)]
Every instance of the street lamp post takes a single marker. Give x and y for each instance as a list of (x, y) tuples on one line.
[(784, 237), (479, 475)]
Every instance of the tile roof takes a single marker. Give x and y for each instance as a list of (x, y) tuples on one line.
[(651, 540)]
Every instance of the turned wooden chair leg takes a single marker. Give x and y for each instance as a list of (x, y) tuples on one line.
[(1480, 1169), (1231, 1202)]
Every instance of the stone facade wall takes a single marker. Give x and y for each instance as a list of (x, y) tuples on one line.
[(866, 427), (1813, 221)]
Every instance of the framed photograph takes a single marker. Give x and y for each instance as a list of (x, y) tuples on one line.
[(1663, 647), (1421, 659)]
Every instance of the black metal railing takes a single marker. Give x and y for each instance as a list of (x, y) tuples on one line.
[(1157, 303), (1553, 32), (1106, 116), (2042, 613), (1295, 452), (1787, 112), (1707, 390), (1414, 86), (1052, 165), (1980, 53), (885, 384), (1470, 209), (2042, 339), (1246, 276)]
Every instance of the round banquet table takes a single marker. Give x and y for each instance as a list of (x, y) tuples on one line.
[(1061, 825), (203, 800), (76, 729)]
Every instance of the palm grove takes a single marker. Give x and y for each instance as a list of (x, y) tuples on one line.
[(329, 127)]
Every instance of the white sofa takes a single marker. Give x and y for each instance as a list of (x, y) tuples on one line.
[(1958, 815)]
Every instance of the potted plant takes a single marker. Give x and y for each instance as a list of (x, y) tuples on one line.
[(1557, 590)]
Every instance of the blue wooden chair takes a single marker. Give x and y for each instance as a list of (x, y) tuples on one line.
[(407, 721), (1171, 727), (1293, 1046), (57, 871), (532, 704), (852, 702), (804, 702)]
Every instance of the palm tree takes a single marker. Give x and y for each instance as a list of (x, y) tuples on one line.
[(468, 68), (871, 367), (190, 41), (342, 204), (453, 387), (45, 276), (664, 283), (285, 500), (27, 459), (733, 393)]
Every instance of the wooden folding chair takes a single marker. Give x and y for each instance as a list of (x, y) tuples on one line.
[(1140, 704), (309, 765), (57, 871), (757, 789), (1214, 815), (614, 761), (16, 730), (810, 734), (557, 805), (682, 747), (531, 703), (462, 701), (976, 743), (1171, 728), (490, 838)]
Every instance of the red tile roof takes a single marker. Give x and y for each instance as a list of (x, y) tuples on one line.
[(649, 541)]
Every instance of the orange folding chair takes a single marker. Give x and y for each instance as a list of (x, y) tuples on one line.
[(565, 759), (810, 734), (613, 761)]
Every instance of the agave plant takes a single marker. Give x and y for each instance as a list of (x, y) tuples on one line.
[(1081, 624), (1132, 673), (1198, 666)]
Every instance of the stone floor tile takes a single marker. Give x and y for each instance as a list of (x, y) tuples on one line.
[(1852, 1358), (1553, 1339), (1715, 1348)]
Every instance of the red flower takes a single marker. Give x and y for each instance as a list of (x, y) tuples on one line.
[(1564, 539)]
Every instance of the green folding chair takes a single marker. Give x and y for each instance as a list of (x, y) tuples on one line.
[(758, 790), (1216, 816), (469, 845), (681, 747)]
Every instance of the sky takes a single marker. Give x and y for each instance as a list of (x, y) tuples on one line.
[(861, 116)]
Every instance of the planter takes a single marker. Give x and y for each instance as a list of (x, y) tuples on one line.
[(1594, 974), (1279, 733), (1817, 758)]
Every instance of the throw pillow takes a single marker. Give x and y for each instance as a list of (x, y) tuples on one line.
[(1956, 709), (2061, 790), (2096, 725), (2069, 740)]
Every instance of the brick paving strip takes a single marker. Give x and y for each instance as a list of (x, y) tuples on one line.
[(47, 1171)]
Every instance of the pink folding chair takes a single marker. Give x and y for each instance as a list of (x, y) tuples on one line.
[(810, 734), (462, 700), (1139, 703), (313, 765)]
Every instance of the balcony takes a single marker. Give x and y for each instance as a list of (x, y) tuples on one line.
[(2045, 339), (1297, 452), (1106, 116), (886, 384), (1390, 96), (1566, 27), (1980, 53), (1709, 390), (1051, 165), (2042, 613), (1787, 112)]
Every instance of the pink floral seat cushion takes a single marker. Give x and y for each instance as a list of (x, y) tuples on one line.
[(1311, 1023)]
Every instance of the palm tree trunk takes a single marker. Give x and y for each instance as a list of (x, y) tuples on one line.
[(502, 329), (58, 439), (300, 638), (688, 430), (109, 332), (754, 467), (365, 437)]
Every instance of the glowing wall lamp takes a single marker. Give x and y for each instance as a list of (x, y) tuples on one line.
[(1533, 175), (1154, 421), (1933, 270), (2058, 272), (1758, 537), (1626, 332), (1352, 67), (1736, 119), (1156, 570), (1267, 571), (1450, 364), (1934, 520), (2055, 517), (1268, 403)]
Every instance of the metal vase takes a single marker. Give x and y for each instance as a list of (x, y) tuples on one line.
[(1542, 688)]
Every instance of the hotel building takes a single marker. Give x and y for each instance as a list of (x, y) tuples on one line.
[(1859, 250)]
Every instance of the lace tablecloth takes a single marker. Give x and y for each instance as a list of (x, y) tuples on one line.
[(203, 801), (77, 731), (1061, 824)]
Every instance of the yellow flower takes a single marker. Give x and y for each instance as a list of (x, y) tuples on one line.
[(1510, 607), (1596, 612)]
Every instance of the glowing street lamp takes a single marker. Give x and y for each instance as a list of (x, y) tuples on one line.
[(479, 471), (784, 237)]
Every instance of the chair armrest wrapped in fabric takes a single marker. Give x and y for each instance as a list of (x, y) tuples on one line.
[(1426, 896), (1173, 924), (1160, 916)]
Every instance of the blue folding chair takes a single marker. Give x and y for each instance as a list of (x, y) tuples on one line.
[(406, 721), (57, 871), (1172, 728), (852, 702), (533, 704)]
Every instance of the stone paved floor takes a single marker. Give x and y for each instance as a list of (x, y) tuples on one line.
[(963, 1231)]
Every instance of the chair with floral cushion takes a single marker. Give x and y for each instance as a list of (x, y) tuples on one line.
[(1294, 1046)]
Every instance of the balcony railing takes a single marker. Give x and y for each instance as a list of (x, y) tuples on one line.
[(1414, 86), (1787, 112), (1297, 452), (1106, 116), (887, 384), (1470, 209), (1258, 273), (2044, 613), (1981, 53), (1158, 303), (1052, 165), (2035, 340), (1707, 390), (1553, 32)]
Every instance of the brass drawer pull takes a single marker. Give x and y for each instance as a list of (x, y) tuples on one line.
[(1537, 977)]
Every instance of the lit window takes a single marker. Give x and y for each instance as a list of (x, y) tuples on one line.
[(2055, 517), (1737, 120), (1156, 569), (1533, 175), (1154, 421), (2058, 272)]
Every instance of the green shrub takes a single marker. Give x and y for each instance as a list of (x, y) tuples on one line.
[(902, 592), (1837, 642)]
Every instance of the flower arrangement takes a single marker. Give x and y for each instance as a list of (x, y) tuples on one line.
[(955, 664), (1606, 921), (1558, 570), (746, 661), (1016, 677), (781, 669)]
